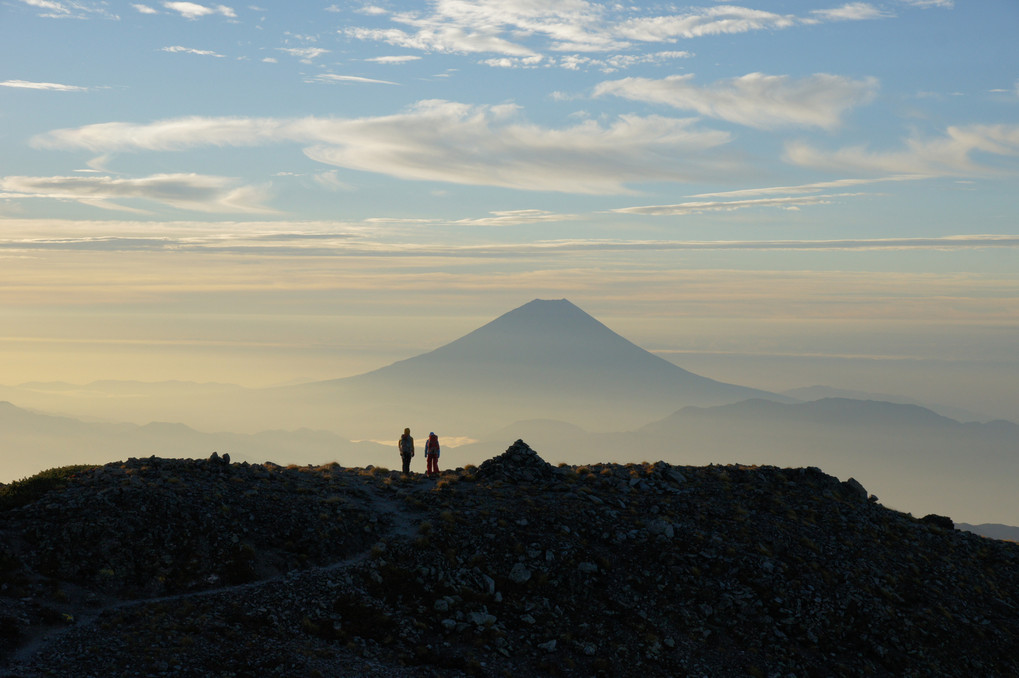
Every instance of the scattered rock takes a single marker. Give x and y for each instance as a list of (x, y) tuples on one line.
[(519, 574), (944, 522), (857, 490), (169, 567)]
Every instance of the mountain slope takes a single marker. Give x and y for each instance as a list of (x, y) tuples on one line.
[(514, 567), (545, 359), (553, 344)]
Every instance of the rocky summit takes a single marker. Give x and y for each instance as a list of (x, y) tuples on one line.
[(173, 567)]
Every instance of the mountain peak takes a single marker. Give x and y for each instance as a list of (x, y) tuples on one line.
[(546, 359), (539, 313), (547, 306)]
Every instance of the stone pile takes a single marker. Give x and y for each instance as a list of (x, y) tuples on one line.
[(518, 464), (515, 567)]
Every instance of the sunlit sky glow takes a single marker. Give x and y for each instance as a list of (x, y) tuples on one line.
[(294, 191)]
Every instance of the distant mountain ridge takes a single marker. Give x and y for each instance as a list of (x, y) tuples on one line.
[(992, 530), (914, 459), (817, 392), (47, 441)]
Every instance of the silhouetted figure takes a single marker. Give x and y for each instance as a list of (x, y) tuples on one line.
[(432, 454), (406, 446)]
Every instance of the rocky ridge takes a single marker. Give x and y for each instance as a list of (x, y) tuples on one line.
[(162, 567)]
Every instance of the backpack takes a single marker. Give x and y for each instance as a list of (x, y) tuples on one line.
[(433, 444), (406, 445)]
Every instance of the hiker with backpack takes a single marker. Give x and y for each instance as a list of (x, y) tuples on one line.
[(406, 446), (432, 454)]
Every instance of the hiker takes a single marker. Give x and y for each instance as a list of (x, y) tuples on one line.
[(432, 454), (406, 446)]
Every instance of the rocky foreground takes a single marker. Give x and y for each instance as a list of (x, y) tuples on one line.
[(162, 567)]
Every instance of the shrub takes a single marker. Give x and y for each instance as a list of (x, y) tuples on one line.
[(27, 490)]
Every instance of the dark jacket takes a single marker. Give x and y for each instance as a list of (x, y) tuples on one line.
[(406, 446)]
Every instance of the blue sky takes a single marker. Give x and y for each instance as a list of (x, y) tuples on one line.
[(263, 192)]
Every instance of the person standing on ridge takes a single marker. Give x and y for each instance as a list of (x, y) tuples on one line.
[(432, 454), (406, 446)]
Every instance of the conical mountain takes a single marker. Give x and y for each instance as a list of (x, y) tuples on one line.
[(553, 346), (546, 359)]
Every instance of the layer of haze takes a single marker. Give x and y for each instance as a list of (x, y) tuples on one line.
[(771, 194), (212, 305)]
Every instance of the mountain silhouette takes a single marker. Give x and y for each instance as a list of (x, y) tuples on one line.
[(911, 457), (545, 359), (44, 441)]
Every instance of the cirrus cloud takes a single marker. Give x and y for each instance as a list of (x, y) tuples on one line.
[(447, 141), (524, 29), (192, 10), (332, 77), (177, 49), (71, 9), (852, 11), (952, 154), (681, 209), (756, 99), (305, 54), (184, 191), (699, 22), (49, 86)]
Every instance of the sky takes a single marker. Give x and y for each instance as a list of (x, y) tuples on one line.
[(777, 194)]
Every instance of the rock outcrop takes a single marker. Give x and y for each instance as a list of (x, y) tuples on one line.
[(198, 568)]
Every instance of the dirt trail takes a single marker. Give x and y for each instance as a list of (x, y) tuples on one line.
[(388, 506)]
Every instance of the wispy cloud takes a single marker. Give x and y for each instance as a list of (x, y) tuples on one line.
[(50, 86), (184, 191), (331, 181), (755, 99), (332, 77), (852, 11), (393, 59), (701, 207), (169, 135), (305, 54), (699, 22), (500, 25), (949, 155), (177, 49), (808, 188), (193, 10), (450, 142), (577, 62), (441, 40), (71, 9), (957, 242), (516, 218), (927, 4), (522, 33), (145, 9), (313, 239)]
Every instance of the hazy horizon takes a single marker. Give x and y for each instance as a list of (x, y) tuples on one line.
[(985, 385), (770, 194)]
